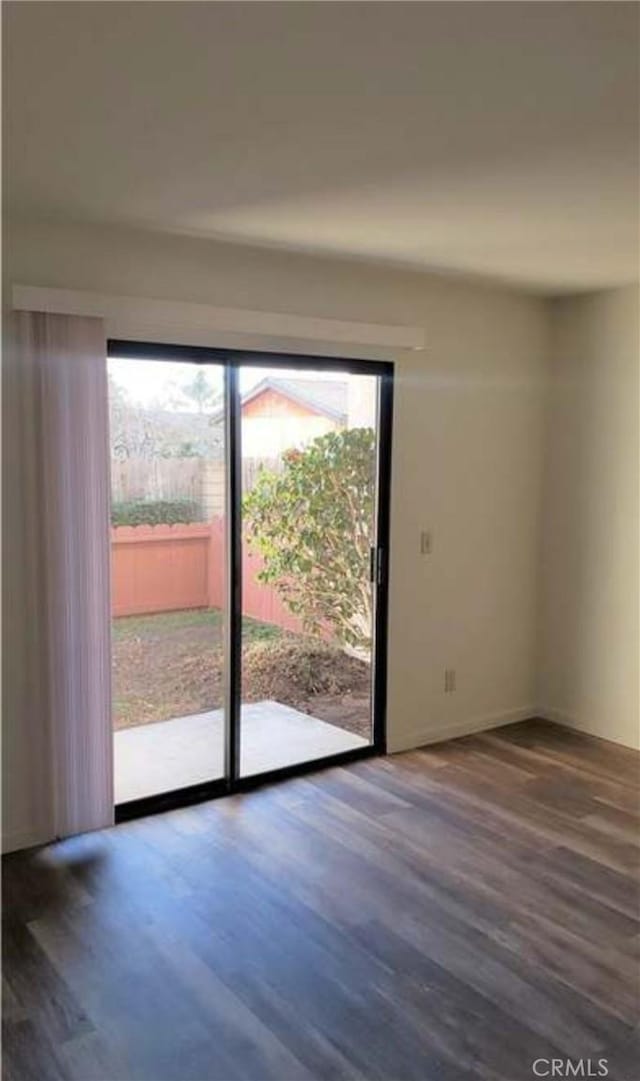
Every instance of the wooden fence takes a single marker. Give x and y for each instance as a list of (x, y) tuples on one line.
[(195, 480), (156, 478), (167, 568)]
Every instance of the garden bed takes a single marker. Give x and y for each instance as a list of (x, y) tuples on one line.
[(171, 665)]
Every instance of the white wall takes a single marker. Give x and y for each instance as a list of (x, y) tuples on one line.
[(589, 640), (467, 455)]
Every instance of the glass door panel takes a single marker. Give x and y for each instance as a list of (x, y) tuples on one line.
[(167, 422), (309, 453)]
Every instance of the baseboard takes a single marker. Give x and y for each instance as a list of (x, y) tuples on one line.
[(406, 741), (558, 716)]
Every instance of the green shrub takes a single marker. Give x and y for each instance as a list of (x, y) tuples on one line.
[(312, 524), (156, 512)]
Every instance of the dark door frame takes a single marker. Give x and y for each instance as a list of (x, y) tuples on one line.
[(233, 360)]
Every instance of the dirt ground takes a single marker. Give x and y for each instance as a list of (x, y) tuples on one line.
[(170, 665)]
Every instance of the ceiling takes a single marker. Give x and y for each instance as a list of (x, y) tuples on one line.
[(498, 139)]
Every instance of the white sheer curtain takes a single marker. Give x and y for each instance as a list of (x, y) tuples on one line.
[(62, 659)]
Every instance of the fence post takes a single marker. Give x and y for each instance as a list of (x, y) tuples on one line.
[(212, 503), (215, 563), (212, 489)]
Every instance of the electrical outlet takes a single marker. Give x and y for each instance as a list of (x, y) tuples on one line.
[(449, 680), (425, 542)]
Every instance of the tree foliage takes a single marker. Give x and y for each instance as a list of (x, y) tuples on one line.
[(163, 431), (200, 391), (313, 526)]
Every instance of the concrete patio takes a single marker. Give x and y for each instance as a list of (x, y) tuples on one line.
[(160, 757)]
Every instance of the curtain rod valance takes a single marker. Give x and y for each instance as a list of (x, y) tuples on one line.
[(138, 318)]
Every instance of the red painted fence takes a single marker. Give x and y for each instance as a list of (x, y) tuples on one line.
[(166, 568)]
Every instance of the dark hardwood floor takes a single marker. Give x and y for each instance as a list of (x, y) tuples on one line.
[(447, 914)]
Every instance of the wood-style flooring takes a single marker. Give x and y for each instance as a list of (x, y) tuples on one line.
[(459, 912)]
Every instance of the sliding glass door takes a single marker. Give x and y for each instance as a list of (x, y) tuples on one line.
[(249, 549), (168, 574), (309, 449)]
